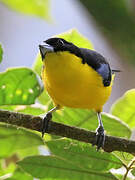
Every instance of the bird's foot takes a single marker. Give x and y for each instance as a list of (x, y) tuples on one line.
[(45, 123), (100, 137)]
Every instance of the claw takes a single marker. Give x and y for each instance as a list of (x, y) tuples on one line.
[(45, 123), (100, 137)]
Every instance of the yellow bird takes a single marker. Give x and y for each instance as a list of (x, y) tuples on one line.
[(77, 78)]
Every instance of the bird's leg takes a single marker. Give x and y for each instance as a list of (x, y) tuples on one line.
[(100, 136), (46, 119)]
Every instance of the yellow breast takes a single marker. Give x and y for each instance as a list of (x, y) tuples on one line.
[(73, 84)]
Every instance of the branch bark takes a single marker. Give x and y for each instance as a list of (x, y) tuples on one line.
[(34, 123)]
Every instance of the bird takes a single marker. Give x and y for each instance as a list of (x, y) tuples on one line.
[(77, 78)]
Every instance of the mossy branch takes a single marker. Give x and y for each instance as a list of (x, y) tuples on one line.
[(34, 123)]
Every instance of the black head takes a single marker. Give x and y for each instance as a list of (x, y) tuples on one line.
[(57, 45)]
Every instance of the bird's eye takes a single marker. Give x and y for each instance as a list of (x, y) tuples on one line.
[(60, 42)]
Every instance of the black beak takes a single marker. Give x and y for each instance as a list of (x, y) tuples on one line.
[(44, 49)]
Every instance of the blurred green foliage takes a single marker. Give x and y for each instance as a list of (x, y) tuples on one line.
[(38, 8), (116, 21)]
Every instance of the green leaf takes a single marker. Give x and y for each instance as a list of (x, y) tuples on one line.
[(26, 109), (1, 53), (75, 37), (133, 171), (32, 7), (29, 151), (20, 175), (45, 99), (124, 108), (6, 168), (32, 110), (19, 86), (83, 155), (53, 167), (124, 157), (12, 139), (80, 159), (88, 119)]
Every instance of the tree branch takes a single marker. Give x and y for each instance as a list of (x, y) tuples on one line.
[(34, 123)]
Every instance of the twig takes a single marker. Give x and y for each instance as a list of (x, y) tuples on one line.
[(34, 123), (128, 168)]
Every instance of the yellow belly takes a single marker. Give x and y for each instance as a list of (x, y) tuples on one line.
[(73, 84)]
